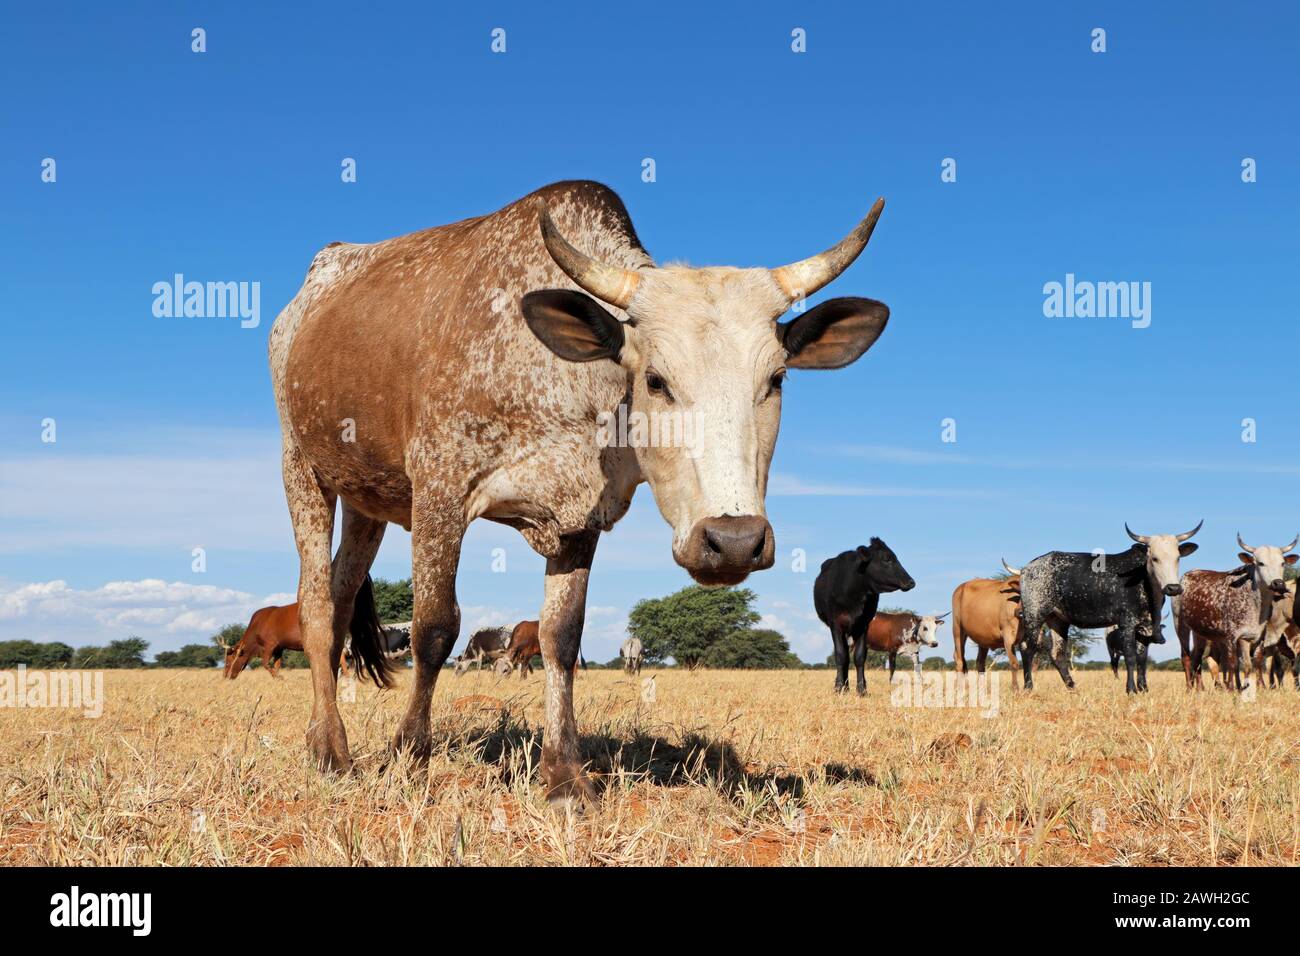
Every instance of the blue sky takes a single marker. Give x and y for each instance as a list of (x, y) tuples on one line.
[(1117, 166)]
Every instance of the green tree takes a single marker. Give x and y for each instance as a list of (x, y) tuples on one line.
[(191, 655), (394, 600), (686, 624), (752, 649), (228, 635), (34, 654), (126, 653)]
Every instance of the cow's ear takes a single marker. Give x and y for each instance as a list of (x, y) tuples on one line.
[(1291, 558), (833, 334), (572, 325), (1187, 547), (1245, 558)]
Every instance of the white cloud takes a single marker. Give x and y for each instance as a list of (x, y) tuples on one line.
[(165, 614)]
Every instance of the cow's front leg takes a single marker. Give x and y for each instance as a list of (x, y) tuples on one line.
[(1142, 650), (564, 609), (841, 645)]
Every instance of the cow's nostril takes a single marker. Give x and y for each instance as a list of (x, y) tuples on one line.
[(759, 545), (712, 543)]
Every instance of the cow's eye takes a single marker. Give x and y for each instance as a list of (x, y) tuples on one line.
[(655, 384), (774, 384)]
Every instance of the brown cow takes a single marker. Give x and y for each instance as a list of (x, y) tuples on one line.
[(482, 363), (273, 630), (525, 644), (987, 611), (891, 634)]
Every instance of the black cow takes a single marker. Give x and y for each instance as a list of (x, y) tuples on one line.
[(1062, 588), (846, 594)]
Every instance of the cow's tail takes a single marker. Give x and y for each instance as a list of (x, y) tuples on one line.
[(368, 638)]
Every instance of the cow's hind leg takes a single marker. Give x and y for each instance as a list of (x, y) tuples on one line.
[(564, 609), (437, 529), (1060, 651)]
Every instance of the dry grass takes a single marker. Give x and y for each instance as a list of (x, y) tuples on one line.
[(722, 768)]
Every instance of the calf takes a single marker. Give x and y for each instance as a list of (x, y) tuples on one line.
[(1234, 609), (631, 654), (987, 611), (905, 633), (1060, 589), (846, 595)]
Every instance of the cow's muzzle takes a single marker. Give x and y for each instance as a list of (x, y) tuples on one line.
[(1278, 588), (1173, 590), (723, 550)]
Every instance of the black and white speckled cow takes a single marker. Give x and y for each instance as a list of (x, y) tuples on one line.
[(1062, 588)]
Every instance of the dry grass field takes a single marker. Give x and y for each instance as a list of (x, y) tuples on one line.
[(722, 767)]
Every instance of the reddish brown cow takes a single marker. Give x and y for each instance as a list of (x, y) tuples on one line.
[(908, 633), (273, 630), (987, 611), (525, 644)]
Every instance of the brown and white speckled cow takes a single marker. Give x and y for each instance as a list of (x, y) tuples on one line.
[(1234, 609), (461, 372)]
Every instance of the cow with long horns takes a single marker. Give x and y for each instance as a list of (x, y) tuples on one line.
[(480, 362), (1234, 609), (1060, 589)]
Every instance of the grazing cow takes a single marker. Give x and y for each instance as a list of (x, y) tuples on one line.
[(846, 595), (482, 363), (987, 611), (1237, 609), (631, 654), (893, 634), (273, 630), (486, 645), (525, 644), (1060, 589)]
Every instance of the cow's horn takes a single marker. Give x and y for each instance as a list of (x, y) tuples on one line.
[(1243, 545), (1294, 542), (1139, 538), (608, 283), (1010, 569), (801, 279), (940, 617), (1187, 534)]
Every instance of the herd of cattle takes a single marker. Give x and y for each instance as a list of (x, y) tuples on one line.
[(1240, 618), (1229, 621)]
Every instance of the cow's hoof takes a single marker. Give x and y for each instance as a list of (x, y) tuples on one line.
[(416, 741), (328, 744), (569, 789)]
